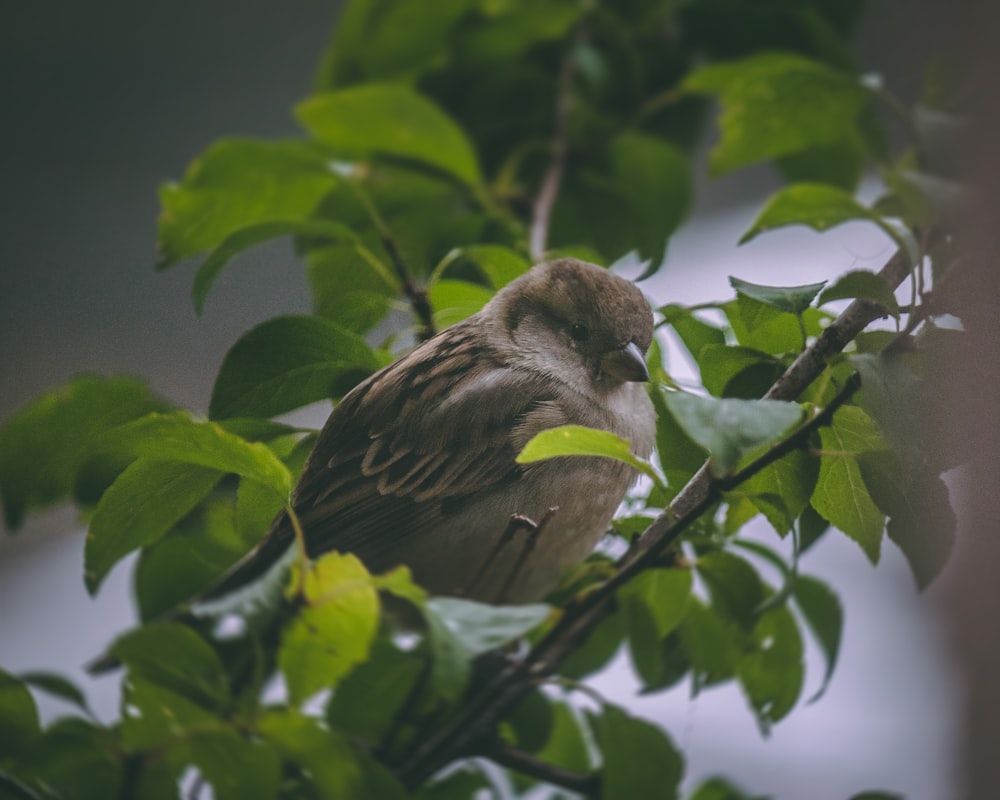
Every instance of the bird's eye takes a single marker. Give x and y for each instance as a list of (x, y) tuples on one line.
[(580, 333)]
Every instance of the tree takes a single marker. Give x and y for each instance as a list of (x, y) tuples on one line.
[(448, 145)]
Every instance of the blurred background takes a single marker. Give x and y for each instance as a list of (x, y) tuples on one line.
[(103, 101)]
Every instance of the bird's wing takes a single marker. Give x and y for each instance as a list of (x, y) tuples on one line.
[(427, 432)]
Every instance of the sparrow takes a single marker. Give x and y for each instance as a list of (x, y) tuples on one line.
[(417, 464)]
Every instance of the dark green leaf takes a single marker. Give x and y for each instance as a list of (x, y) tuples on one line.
[(236, 184), (245, 238), (717, 788), (177, 437), (73, 759), (633, 200), (350, 287), (599, 647), (794, 299), (694, 332), (143, 503), (174, 657), (708, 645), (921, 520), (154, 716), (336, 628), (812, 527), (772, 673), (384, 120), (653, 605), (44, 444), (735, 587), (532, 721), (499, 265), (236, 768), (730, 429), (567, 744), (877, 796), (824, 615), (333, 768), (18, 716), (782, 490), (639, 759), (841, 496), (189, 559), (864, 285), (57, 686), (775, 104), (840, 164), (891, 393), (819, 206), (368, 701), (286, 363), (721, 365), (678, 452), (460, 784)]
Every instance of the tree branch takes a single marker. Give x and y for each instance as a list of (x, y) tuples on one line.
[(503, 754), (545, 200), (418, 297), (580, 616)]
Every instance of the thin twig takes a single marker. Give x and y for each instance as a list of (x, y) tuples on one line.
[(545, 200), (534, 531), (510, 757), (579, 617)]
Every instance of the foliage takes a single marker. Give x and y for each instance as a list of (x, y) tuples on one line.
[(447, 146)]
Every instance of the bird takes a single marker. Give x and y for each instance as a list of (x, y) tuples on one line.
[(417, 464)]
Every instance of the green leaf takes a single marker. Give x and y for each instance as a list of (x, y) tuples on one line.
[(877, 796), (891, 393), (632, 199), (499, 265), (639, 759), (708, 645), (19, 727), (717, 788), (596, 650), (453, 301), (824, 615), (841, 496), (653, 605), (57, 686), (819, 206), (775, 104), (921, 521), (532, 721), (335, 629), (237, 768), (384, 120), (864, 285), (154, 716), (722, 365), (730, 429), (772, 673), (44, 445), (349, 286), (189, 559), (735, 587), (793, 299), (567, 744), (143, 503), (763, 327), (244, 238), (177, 437), (331, 766), (286, 363), (782, 490), (693, 332), (576, 440), (174, 657), (367, 703), (459, 784), (460, 630), (236, 184), (73, 759)]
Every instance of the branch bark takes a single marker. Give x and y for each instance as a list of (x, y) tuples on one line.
[(545, 200), (579, 617)]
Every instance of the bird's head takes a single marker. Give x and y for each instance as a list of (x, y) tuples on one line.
[(575, 321)]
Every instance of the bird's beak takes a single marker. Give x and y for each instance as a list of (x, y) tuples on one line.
[(626, 363)]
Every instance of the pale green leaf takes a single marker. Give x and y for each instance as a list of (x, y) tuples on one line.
[(576, 440), (793, 299)]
